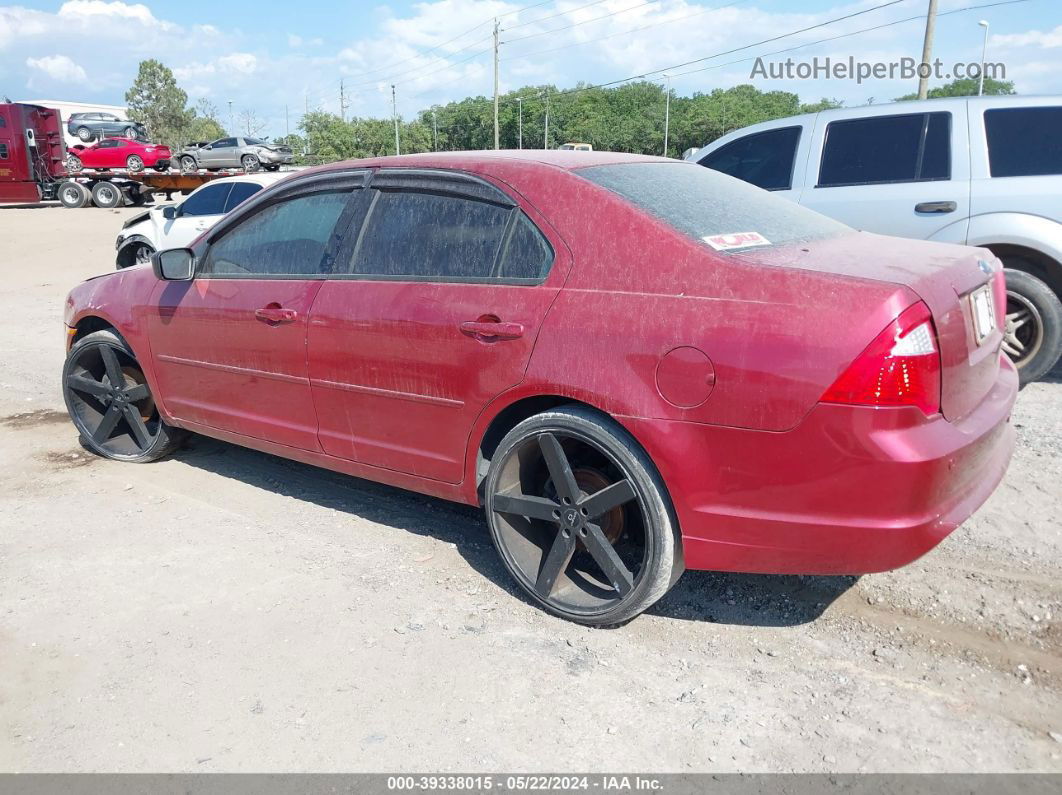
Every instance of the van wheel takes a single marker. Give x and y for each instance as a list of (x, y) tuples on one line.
[(1032, 337), (580, 517), (110, 402)]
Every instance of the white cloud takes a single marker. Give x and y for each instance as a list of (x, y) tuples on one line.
[(100, 11), (59, 68), (1035, 38)]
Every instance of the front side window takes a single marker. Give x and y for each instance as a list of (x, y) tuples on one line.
[(763, 159), (700, 202), (1024, 142), (289, 238), (428, 235), (210, 200), (882, 149), (223, 143)]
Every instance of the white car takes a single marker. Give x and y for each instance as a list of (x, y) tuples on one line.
[(177, 225), (980, 171)]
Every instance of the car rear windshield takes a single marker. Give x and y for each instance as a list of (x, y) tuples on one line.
[(703, 203)]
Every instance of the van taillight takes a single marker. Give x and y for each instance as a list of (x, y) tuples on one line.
[(901, 367)]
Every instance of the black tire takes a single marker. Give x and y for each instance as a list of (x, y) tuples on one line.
[(188, 164), (594, 567), (135, 163), (74, 164), (118, 422), (73, 195), (250, 163), (85, 134), (272, 167), (107, 195), (134, 254), (1033, 333), (137, 197)]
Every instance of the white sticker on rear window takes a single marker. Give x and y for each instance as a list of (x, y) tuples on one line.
[(736, 240)]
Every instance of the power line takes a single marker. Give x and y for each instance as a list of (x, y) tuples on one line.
[(584, 22), (554, 16)]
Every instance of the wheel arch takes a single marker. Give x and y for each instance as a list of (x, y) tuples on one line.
[(126, 251), (1035, 263)]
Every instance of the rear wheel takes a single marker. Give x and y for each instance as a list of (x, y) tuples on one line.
[(130, 132), (106, 195), (250, 163), (1032, 337), (581, 518), (134, 163), (85, 134), (73, 195), (110, 402)]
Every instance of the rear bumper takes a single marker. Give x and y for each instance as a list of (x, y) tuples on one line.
[(851, 490)]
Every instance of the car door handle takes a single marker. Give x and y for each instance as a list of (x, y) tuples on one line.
[(275, 314), (492, 329), (936, 207)]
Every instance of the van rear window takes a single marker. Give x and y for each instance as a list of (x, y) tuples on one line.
[(703, 203)]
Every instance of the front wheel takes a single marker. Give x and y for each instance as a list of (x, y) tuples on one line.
[(188, 164), (130, 132), (110, 402), (1032, 336), (74, 164), (85, 134), (581, 518)]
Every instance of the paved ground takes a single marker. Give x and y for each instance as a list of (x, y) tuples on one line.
[(228, 611)]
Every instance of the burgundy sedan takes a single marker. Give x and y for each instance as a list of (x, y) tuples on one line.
[(118, 153), (635, 365)]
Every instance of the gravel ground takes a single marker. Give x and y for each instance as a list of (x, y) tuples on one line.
[(224, 610)]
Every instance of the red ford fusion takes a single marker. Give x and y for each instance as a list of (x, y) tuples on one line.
[(118, 153), (635, 365)]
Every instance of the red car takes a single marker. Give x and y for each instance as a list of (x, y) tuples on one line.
[(118, 153), (635, 365)]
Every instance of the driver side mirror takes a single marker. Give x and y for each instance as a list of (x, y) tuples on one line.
[(208, 146), (169, 212), (174, 264)]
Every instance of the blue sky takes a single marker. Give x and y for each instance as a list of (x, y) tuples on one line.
[(264, 56)]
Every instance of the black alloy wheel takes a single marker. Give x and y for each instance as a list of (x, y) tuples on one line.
[(580, 518), (110, 402)]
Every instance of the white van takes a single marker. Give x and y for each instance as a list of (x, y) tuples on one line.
[(981, 171)]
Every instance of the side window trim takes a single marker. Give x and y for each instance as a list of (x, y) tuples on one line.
[(919, 160)]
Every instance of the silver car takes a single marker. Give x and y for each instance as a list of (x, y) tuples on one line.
[(250, 154)]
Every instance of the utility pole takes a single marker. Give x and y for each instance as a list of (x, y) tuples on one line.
[(342, 101), (496, 135), (520, 129), (927, 51), (984, 51), (545, 137), (394, 113), (287, 126), (435, 129), (667, 112)]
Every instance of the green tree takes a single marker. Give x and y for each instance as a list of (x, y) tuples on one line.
[(967, 87), (156, 101), (203, 124)]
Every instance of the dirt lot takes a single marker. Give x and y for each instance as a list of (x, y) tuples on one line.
[(227, 611)]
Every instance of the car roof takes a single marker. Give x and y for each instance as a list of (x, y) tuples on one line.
[(264, 180), (561, 159)]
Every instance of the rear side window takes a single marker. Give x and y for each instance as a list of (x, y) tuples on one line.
[(285, 239), (527, 254), (701, 202), (428, 235), (241, 191), (763, 159), (208, 201), (1024, 142), (882, 149), (3, 151)]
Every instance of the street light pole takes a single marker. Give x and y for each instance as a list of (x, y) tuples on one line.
[(667, 112), (984, 49), (394, 113), (520, 127), (232, 121), (545, 136)]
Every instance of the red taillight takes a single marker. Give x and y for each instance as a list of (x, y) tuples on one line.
[(899, 368), (999, 296)]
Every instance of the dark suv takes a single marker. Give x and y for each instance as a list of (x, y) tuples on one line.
[(90, 126)]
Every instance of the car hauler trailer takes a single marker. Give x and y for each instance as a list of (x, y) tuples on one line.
[(33, 166)]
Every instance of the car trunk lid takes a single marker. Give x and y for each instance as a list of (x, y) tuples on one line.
[(946, 277)]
